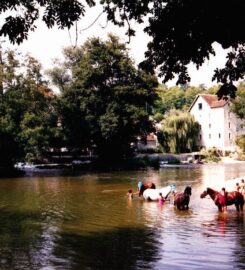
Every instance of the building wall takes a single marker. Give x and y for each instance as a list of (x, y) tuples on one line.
[(230, 131), (219, 126)]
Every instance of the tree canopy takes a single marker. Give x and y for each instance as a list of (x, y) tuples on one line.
[(17, 24), (179, 132), (238, 105), (26, 111), (106, 102), (182, 31)]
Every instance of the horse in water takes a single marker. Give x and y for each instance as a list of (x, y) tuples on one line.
[(233, 197), (181, 200), (153, 194), (142, 186)]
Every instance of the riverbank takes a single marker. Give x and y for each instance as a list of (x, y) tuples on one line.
[(139, 162), (11, 172), (229, 160)]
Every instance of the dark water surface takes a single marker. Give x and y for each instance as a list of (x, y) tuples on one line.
[(86, 222)]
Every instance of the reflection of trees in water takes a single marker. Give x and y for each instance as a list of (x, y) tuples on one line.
[(26, 244), (18, 239), (125, 248)]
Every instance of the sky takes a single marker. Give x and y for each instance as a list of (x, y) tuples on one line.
[(47, 44)]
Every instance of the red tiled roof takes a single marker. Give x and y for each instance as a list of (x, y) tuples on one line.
[(213, 101)]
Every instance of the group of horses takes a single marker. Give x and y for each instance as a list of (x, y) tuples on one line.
[(182, 199)]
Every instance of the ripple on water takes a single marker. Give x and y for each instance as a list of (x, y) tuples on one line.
[(86, 222)]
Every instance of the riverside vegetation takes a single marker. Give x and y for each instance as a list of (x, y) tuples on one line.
[(105, 104)]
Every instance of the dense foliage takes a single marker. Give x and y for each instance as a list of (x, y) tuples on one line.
[(182, 31), (240, 141), (105, 105), (239, 103), (25, 110), (106, 102), (175, 98), (179, 132)]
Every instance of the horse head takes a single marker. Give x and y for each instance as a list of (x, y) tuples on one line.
[(204, 194), (187, 190), (209, 191)]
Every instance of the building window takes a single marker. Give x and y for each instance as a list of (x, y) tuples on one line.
[(199, 106), (241, 126), (209, 136), (229, 135), (229, 125), (209, 125), (200, 137), (219, 135)]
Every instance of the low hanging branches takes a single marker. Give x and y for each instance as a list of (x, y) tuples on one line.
[(179, 132)]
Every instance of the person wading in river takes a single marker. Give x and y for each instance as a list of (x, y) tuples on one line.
[(223, 199)]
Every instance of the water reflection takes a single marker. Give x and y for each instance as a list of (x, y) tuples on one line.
[(123, 248), (86, 222)]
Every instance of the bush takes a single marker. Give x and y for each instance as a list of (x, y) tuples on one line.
[(211, 155)]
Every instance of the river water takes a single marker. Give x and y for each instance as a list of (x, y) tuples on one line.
[(54, 221)]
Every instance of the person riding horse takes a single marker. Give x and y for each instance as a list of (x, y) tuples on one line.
[(233, 197)]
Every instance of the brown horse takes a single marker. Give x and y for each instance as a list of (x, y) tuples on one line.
[(181, 200), (142, 186), (233, 197)]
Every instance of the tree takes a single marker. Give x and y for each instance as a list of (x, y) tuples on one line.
[(179, 132), (174, 98), (26, 110), (182, 31), (16, 26), (107, 103), (238, 105), (240, 141)]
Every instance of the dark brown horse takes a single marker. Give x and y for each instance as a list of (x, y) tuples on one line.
[(233, 197), (181, 200), (142, 186)]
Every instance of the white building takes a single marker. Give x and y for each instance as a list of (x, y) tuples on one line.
[(219, 126)]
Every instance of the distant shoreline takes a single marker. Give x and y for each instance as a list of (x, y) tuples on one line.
[(228, 160), (152, 162)]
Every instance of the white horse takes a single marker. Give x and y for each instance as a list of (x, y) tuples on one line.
[(153, 194)]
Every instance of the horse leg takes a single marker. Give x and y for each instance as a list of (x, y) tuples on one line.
[(237, 206), (241, 206), (179, 206)]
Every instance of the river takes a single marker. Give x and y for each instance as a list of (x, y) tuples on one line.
[(54, 221)]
